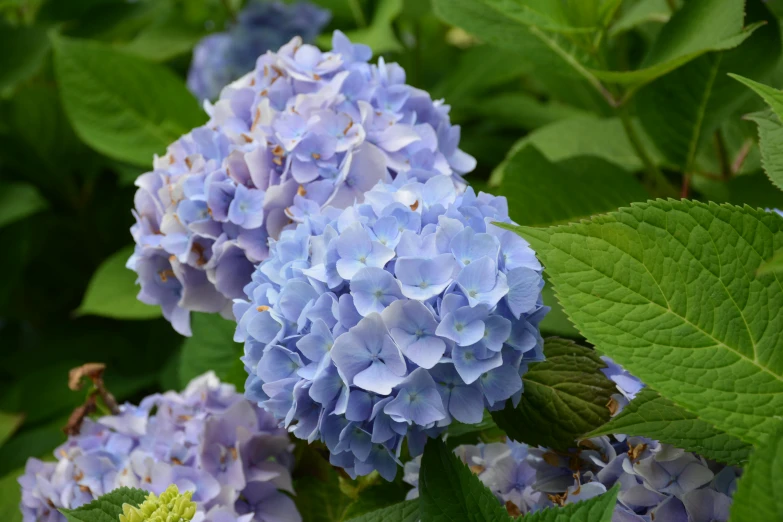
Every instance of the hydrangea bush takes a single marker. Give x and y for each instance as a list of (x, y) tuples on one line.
[(304, 129), (386, 321), (261, 26), (210, 442)]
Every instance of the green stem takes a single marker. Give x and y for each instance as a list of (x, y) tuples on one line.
[(723, 156), (358, 13), (656, 181), (672, 5)]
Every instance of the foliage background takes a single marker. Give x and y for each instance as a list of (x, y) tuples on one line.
[(543, 134)]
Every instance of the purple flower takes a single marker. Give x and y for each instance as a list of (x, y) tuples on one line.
[(363, 329), (301, 131), (207, 440)]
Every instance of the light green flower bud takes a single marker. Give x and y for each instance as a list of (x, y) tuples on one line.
[(169, 507)]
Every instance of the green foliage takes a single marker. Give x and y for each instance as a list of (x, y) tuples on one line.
[(587, 176), (407, 511), (770, 129), (19, 200), (24, 49), (596, 509), (650, 415), (668, 290), (9, 423), (211, 347), (121, 105), (112, 291), (772, 265), (10, 497), (380, 34), (171, 506), (565, 397), (756, 497), (450, 491), (107, 508)]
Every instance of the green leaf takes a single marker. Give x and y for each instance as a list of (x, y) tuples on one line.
[(380, 34), (166, 38), (11, 497), (772, 265), (212, 348), (596, 509), (106, 508), (19, 200), (757, 497), (112, 291), (682, 110), (565, 397), (594, 186), (407, 511), (583, 136), (24, 49), (770, 129), (650, 415), (522, 110), (697, 28), (121, 105), (317, 484), (9, 423), (641, 12), (668, 289), (448, 490)]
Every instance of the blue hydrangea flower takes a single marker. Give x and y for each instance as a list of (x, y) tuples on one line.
[(389, 319), (207, 440), (303, 130), (221, 58)]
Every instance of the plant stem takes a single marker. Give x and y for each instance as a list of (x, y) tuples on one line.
[(358, 14), (723, 156), (686, 182), (672, 5), (656, 181)]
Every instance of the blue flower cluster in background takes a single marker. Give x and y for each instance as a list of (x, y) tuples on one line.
[(303, 130), (207, 440), (221, 58), (391, 318), (658, 482)]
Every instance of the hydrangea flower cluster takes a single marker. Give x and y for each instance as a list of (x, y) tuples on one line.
[(391, 318), (657, 481), (206, 440), (303, 130), (221, 58)]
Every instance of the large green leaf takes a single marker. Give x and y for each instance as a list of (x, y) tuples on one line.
[(681, 110), (24, 49), (106, 508), (10, 497), (565, 397), (19, 200), (407, 511), (596, 509), (120, 104), (774, 264), (581, 136), (522, 110), (112, 291), (770, 129), (211, 347), (594, 186), (650, 415), (669, 290), (449, 491), (757, 497), (556, 321), (166, 38), (641, 12)]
